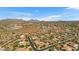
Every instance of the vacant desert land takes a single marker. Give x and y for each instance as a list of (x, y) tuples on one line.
[(61, 35)]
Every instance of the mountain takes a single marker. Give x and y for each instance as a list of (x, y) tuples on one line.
[(11, 24), (33, 20)]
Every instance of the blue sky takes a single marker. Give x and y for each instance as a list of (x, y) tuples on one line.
[(40, 13)]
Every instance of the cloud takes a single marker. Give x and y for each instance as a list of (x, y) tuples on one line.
[(24, 18), (76, 8), (16, 14), (13, 13), (50, 18), (71, 14), (28, 16), (22, 15)]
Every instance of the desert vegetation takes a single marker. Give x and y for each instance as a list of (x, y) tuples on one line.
[(19, 35)]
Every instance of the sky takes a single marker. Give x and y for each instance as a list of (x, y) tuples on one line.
[(40, 13)]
